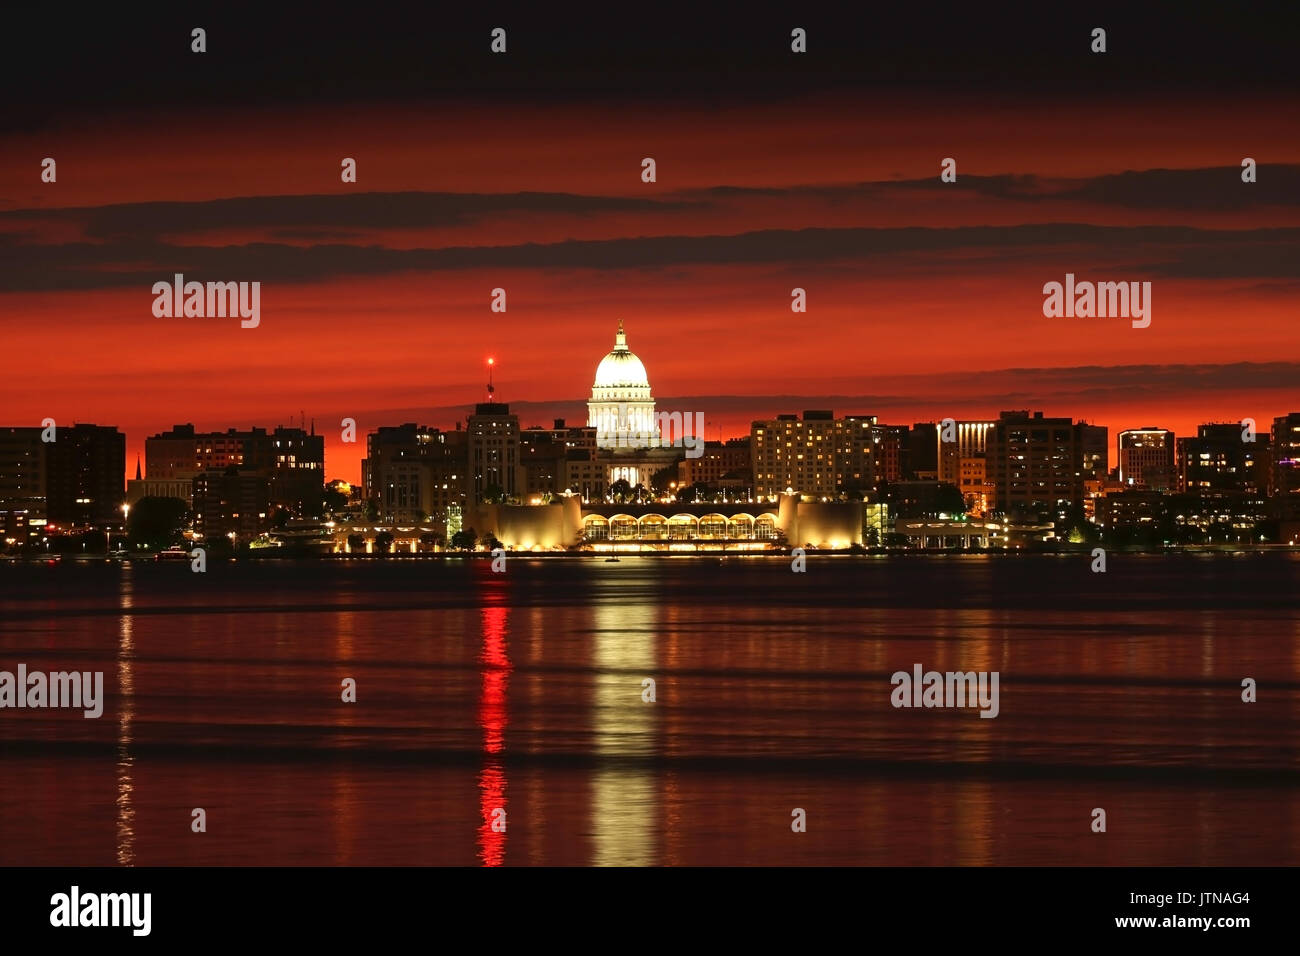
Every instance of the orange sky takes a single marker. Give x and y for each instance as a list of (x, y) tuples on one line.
[(925, 299)]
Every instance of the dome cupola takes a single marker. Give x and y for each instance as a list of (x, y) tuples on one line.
[(621, 368)]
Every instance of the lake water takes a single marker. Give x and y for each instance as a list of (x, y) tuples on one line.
[(523, 692)]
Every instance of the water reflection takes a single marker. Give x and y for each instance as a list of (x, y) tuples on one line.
[(763, 704), (345, 791), (973, 811), (624, 801), (492, 718), (125, 714)]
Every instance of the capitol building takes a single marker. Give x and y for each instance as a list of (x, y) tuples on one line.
[(622, 410)]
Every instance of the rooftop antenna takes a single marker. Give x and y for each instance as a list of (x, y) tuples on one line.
[(491, 387)]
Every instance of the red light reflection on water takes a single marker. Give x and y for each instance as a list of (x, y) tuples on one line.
[(492, 717)]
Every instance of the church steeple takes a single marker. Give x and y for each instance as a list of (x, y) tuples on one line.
[(137, 467)]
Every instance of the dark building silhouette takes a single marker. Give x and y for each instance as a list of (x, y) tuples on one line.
[(84, 475), (1218, 461), (233, 501)]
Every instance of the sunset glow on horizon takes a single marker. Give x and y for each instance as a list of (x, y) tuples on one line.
[(924, 298)]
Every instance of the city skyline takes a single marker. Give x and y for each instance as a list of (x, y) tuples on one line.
[(1023, 462), (726, 417), (457, 415)]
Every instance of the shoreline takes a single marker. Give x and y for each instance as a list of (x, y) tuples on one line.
[(708, 556)]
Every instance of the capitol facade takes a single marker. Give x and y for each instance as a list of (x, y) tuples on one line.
[(622, 410)]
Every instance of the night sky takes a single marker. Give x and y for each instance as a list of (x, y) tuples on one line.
[(522, 171)]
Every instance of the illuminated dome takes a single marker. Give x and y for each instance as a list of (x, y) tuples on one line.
[(620, 368), (621, 408)]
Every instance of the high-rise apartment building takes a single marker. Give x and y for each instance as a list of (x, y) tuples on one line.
[(85, 472), (1040, 464), (1146, 459), (414, 472), (820, 456), (1219, 461), (493, 445)]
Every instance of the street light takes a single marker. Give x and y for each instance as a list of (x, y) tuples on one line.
[(126, 518)]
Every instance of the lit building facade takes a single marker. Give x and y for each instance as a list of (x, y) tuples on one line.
[(1146, 459), (586, 475), (820, 456), (962, 463), (140, 487), (731, 460), (1042, 465), (892, 454), (1218, 461), (415, 472), (1284, 474), (763, 526), (493, 439), (621, 408), (291, 459), (545, 454), (622, 412)]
